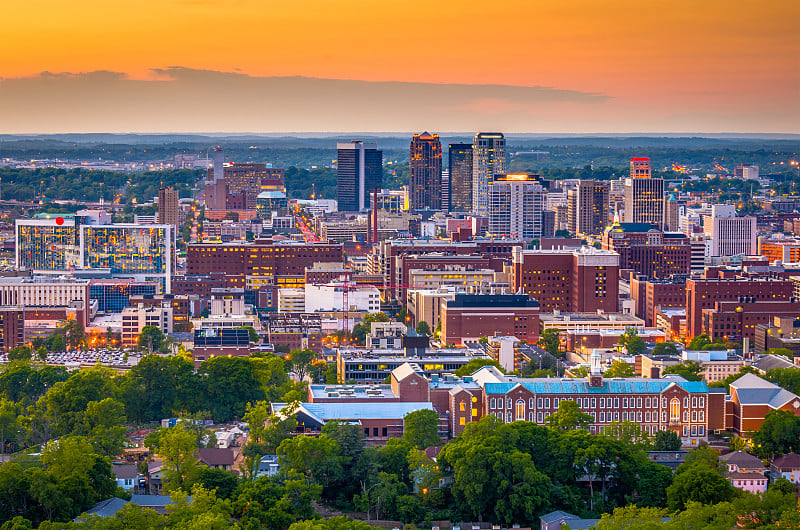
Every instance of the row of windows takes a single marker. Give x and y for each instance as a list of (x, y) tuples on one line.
[(604, 402)]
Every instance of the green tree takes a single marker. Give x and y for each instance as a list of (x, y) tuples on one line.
[(421, 428), (550, 341), (74, 334), (569, 416), (318, 460), (779, 434), (231, 382), (221, 482), (157, 387), (632, 342), (632, 516), (786, 378), (360, 330), (104, 425), (698, 483), (619, 368), (301, 361), (19, 353), (689, 370), (10, 428), (178, 446), (629, 432), (476, 364), (666, 441), (423, 328), (665, 348), (151, 339), (41, 353)]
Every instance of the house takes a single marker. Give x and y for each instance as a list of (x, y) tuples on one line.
[(753, 398), (158, 503), (106, 508), (788, 467), (109, 507), (155, 477), (751, 482), (555, 520), (126, 475), (739, 461), (268, 466), (216, 458)]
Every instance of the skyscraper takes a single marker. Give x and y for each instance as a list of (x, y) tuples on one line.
[(515, 207), (168, 212), (488, 161), (360, 167), (587, 207), (216, 192), (644, 195), (425, 172), (460, 167)]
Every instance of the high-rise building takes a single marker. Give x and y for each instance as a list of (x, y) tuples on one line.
[(216, 192), (168, 212), (648, 250), (460, 168), (672, 214), (425, 172), (446, 189), (746, 171), (488, 161), (644, 195), (359, 172), (730, 235), (515, 207), (587, 207)]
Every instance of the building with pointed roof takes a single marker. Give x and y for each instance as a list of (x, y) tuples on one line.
[(753, 398)]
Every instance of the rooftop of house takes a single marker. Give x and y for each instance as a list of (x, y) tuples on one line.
[(742, 460), (788, 461), (351, 391), (752, 390), (324, 412), (123, 471), (216, 457)]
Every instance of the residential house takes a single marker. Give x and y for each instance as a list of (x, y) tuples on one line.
[(216, 458), (558, 519), (125, 475), (739, 461), (788, 467), (750, 482)]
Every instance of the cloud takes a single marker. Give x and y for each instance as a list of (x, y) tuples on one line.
[(191, 100)]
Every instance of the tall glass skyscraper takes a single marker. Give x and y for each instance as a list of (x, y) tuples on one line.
[(425, 172), (459, 160), (488, 161), (359, 172)]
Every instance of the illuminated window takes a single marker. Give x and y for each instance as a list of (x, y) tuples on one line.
[(674, 410)]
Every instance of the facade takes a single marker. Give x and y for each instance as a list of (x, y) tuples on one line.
[(114, 295), (296, 331), (471, 316), (752, 398), (782, 249), (587, 207), (47, 245), (644, 195), (648, 250), (168, 210), (330, 297), (359, 172), (12, 327), (516, 207), (729, 235), (746, 172), (577, 280), (425, 172), (652, 295), (42, 295), (737, 319), (386, 335), (134, 320), (460, 172), (363, 367), (488, 161)]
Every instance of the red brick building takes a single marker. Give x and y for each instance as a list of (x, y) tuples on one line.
[(652, 294), (648, 250), (752, 398), (571, 280), (480, 315), (12, 327), (735, 320), (704, 293), (405, 263)]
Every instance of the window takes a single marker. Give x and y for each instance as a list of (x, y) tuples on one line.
[(694, 402), (702, 416), (492, 403), (639, 402), (530, 403), (594, 402), (602, 417), (624, 416), (530, 416), (539, 402), (702, 401), (462, 421), (686, 402), (663, 403), (586, 403), (686, 430), (539, 417), (647, 416), (547, 403), (508, 418), (462, 407), (602, 403), (639, 417), (624, 403), (686, 416), (616, 403), (508, 403), (555, 403), (647, 403), (694, 415), (664, 416), (375, 432), (616, 416), (674, 410), (694, 430), (701, 430), (520, 410), (385, 432)]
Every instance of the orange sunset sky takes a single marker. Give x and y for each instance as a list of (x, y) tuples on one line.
[(322, 65)]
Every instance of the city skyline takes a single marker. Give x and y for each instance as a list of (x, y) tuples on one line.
[(196, 66)]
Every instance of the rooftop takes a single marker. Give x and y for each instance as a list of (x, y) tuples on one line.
[(323, 412), (620, 385)]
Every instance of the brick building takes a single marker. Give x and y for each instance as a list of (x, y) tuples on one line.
[(578, 280), (648, 250), (478, 315), (651, 295), (12, 327), (735, 320), (752, 398)]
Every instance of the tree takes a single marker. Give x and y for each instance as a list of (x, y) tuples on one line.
[(421, 428), (151, 338), (779, 434), (580, 371), (316, 459), (423, 328), (619, 368), (159, 386), (74, 334), (629, 432), (19, 353), (689, 370), (550, 341), (701, 484), (665, 348), (41, 353), (231, 382), (301, 361), (476, 364), (177, 446), (632, 342), (569, 416), (9, 424), (666, 441), (221, 482), (360, 330), (632, 516), (786, 378), (56, 342)]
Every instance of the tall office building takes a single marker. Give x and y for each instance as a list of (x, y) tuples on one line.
[(446, 189), (587, 207), (644, 195), (488, 161), (729, 235), (216, 192), (168, 212), (515, 207), (360, 167), (425, 172), (460, 167)]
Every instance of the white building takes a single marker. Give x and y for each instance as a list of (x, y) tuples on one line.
[(729, 235), (291, 300), (746, 172), (386, 335), (330, 297), (515, 207), (134, 320)]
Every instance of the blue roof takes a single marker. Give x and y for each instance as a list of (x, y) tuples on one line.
[(581, 386)]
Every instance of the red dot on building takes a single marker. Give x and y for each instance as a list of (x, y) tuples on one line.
[(59, 221)]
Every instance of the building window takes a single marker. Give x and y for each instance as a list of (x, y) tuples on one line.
[(539, 403), (492, 403), (686, 416), (547, 403), (663, 403), (647, 416), (702, 401), (530, 404), (602, 403), (462, 421), (616, 403), (639, 417), (530, 416), (694, 415), (520, 410), (686, 402), (539, 417), (701, 430), (694, 430), (647, 403), (639, 402), (508, 418), (594, 402), (674, 410), (664, 416), (686, 430), (602, 417), (694, 402), (461, 407), (508, 404)]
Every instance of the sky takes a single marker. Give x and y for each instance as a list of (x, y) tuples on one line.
[(565, 66)]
